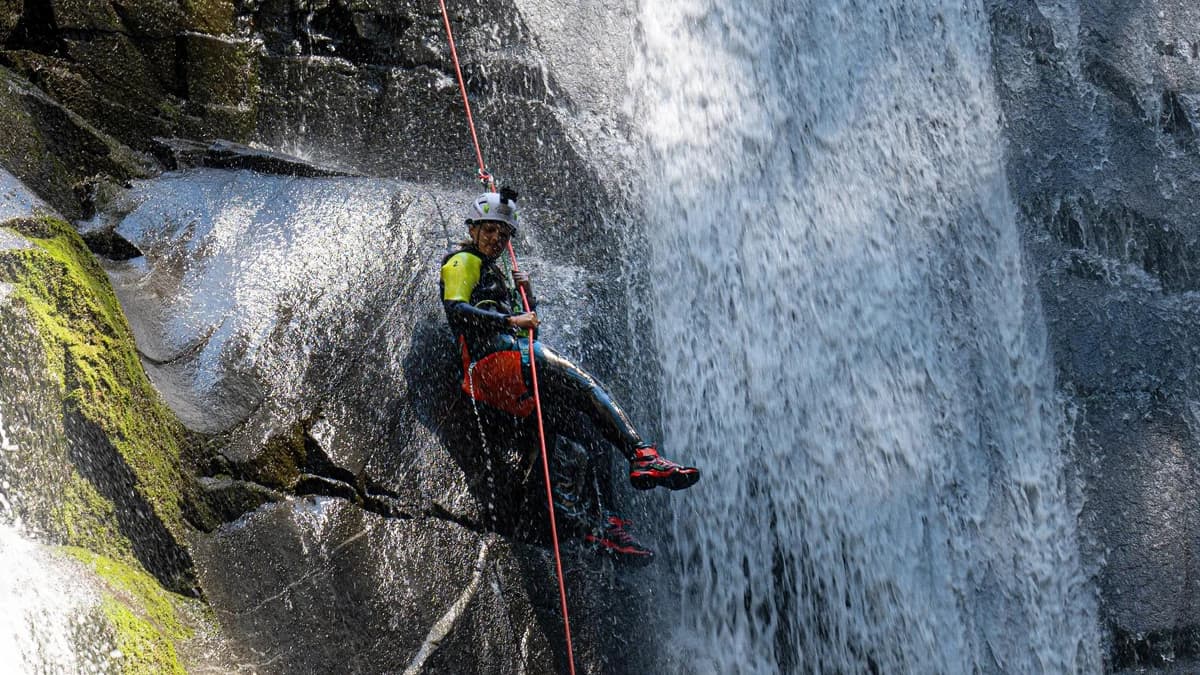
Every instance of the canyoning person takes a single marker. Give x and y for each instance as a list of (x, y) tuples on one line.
[(484, 308)]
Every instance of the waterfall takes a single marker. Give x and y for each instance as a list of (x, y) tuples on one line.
[(850, 348), (52, 620)]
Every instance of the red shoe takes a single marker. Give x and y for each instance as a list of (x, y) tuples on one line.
[(647, 470), (616, 541)]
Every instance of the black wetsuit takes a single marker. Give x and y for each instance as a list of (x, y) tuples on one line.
[(479, 296)]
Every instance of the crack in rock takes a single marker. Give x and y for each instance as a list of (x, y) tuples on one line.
[(442, 627), (314, 572)]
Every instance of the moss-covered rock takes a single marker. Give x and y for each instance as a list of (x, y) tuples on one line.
[(91, 351), (210, 16), (89, 520), (140, 648), (10, 14), (146, 623), (127, 495), (97, 464), (52, 149)]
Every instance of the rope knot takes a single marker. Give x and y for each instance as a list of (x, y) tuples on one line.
[(487, 179)]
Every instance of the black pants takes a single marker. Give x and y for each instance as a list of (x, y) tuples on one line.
[(566, 388), (581, 481)]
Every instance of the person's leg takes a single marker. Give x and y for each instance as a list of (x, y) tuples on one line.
[(613, 538), (566, 383), (576, 513), (571, 387)]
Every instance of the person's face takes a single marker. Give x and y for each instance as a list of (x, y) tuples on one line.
[(490, 237)]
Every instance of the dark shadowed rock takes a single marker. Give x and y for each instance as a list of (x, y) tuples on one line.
[(80, 15), (108, 244), (221, 75), (316, 584), (228, 500), (53, 150), (152, 19), (180, 153), (10, 14), (1098, 100), (140, 69)]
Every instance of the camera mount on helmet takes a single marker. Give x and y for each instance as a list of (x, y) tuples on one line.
[(499, 207)]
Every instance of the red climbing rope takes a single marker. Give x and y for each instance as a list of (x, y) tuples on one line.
[(462, 87), (487, 179)]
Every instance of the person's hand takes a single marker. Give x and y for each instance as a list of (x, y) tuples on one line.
[(521, 279), (528, 320)]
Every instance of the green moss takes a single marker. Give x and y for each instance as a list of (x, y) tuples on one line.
[(137, 589), (210, 16), (146, 621), (90, 350), (278, 465), (89, 520), (142, 649)]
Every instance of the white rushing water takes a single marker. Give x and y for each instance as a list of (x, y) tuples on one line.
[(851, 349), (50, 619)]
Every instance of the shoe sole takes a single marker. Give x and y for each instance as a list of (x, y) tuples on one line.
[(672, 480), (623, 555)]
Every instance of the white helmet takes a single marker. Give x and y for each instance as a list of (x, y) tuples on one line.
[(498, 206)]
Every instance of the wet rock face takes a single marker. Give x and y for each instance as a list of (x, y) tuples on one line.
[(1101, 102), (317, 584), (366, 85), (336, 391), (371, 85), (297, 321), (139, 69), (1109, 92)]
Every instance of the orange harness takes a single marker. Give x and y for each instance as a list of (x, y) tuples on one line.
[(497, 380)]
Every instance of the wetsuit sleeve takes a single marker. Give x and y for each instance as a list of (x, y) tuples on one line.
[(460, 274)]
